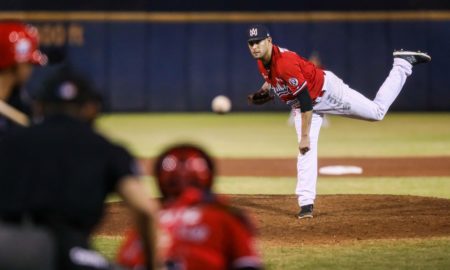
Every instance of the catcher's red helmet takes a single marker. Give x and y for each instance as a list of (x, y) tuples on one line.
[(183, 166), (19, 44)]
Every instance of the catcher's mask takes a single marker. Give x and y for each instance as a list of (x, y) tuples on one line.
[(183, 166), (19, 43)]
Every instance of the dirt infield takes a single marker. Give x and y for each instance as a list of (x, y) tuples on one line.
[(406, 166), (337, 218)]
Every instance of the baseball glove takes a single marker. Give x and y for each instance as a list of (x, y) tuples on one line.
[(260, 97)]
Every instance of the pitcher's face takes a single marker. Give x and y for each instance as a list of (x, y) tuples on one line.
[(260, 49)]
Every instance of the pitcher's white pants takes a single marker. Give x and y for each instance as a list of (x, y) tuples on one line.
[(340, 99)]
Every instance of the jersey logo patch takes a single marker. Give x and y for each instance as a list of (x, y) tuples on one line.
[(280, 90), (293, 82)]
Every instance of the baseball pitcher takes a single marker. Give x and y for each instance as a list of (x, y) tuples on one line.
[(312, 92)]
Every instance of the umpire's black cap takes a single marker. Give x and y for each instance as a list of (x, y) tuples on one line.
[(257, 32), (67, 88)]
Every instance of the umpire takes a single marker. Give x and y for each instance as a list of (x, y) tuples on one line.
[(55, 177)]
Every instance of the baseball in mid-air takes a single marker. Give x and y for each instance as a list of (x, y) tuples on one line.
[(221, 104)]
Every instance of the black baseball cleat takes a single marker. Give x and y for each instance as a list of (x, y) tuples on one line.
[(306, 211), (414, 58)]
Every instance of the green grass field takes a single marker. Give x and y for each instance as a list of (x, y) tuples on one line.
[(380, 254), (270, 135), (438, 187), (418, 186)]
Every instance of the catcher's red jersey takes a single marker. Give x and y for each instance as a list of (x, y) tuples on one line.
[(199, 235), (289, 74)]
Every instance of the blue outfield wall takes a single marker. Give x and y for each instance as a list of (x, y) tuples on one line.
[(148, 66)]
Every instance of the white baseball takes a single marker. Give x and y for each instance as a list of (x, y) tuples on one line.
[(221, 104)]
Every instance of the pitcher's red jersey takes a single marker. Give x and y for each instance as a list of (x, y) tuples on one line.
[(289, 73)]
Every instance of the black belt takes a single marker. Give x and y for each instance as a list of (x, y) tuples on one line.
[(319, 97)]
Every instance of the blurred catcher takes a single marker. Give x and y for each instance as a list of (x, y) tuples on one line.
[(55, 177), (198, 229)]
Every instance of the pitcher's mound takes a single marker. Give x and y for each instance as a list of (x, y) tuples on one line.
[(337, 218), (349, 217)]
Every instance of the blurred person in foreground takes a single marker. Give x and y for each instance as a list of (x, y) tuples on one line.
[(55, 177), (19, 52), (199, 230)]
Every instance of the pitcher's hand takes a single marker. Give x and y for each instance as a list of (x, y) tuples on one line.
[(304, 145)]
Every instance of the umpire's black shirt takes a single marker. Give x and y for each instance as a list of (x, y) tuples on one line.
[(60, 170)]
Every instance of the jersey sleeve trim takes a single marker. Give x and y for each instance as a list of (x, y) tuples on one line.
[(300, 88)]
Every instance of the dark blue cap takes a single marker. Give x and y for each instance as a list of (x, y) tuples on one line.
[(67, 87), (257, 32)]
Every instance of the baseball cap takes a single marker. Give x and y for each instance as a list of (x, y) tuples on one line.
[(257, 32), (67, 88)]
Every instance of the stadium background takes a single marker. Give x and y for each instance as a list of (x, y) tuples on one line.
[(150, 56), (178, 55)]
